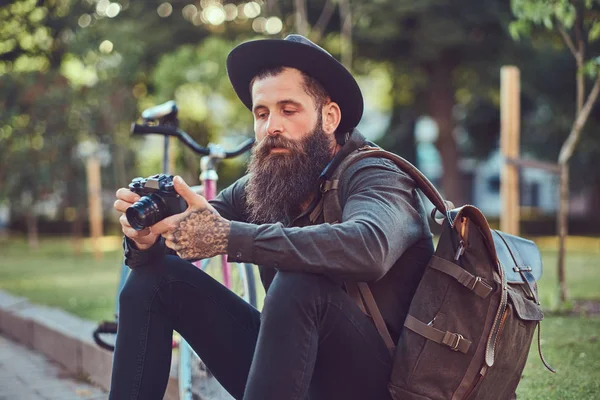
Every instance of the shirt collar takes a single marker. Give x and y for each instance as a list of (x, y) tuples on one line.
[(354, 142)]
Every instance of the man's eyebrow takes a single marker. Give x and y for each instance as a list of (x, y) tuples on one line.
[(257, 106)]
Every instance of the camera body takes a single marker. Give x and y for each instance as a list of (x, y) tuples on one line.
[(159, 200)]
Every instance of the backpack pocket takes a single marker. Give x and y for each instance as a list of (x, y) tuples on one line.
[(519, 321)]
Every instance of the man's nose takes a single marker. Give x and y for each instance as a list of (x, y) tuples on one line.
[(274, 125)]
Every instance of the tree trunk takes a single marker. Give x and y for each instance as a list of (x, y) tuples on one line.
[(399, 137), (32, 229), (566, 152), (346, 33), (77, 232), (562, 227), (440, 107), (300, 16)]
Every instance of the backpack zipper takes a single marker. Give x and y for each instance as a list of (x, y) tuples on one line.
[(462, 244)]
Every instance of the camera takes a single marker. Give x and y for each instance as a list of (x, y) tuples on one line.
[(159, 201)]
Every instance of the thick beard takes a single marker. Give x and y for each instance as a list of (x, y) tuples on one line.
[(280, 183)]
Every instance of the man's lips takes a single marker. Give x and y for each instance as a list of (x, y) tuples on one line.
[(279, 150)]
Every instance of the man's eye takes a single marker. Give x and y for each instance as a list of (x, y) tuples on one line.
[(288, 112), (261, 115)]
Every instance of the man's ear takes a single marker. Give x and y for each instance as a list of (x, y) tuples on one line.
[(332, 115)]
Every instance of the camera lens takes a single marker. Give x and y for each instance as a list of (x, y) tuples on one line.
[(146, 212)]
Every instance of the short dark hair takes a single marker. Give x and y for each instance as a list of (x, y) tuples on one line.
[(310, 85)]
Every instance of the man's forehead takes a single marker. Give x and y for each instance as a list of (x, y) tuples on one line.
[(281, 86)]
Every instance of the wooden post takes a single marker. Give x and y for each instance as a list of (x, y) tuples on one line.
[(510, 121), (94, 203)]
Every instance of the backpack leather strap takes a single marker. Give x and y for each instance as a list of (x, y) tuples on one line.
[(468, 280), (539, 340), (375, 314), (354, 292), (520, 267), (455, 341)]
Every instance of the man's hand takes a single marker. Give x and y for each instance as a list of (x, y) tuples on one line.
[(143, 239), (198, 232)]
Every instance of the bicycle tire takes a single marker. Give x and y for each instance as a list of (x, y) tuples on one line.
[(243, 281), (251, 279), (186, 357), (244, 285)]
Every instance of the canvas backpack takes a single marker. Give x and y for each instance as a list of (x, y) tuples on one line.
[(472, 319)]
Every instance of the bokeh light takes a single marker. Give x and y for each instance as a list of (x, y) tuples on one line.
[(241, 15), (113, 10), (214, 14), (199, 19), (252, 9), (259, 24), (273, 26), (231, 11), (84, 20), (101, 7), (189, 11), (106, 46), (164, 10)]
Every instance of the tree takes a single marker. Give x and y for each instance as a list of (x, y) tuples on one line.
[(36, 144), (450, 49), (577, 23)]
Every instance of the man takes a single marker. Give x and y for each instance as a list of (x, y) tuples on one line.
[(311, 339)]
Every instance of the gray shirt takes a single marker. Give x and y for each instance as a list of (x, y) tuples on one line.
[(383, 237)]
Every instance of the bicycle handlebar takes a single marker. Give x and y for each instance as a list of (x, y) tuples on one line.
[(212, 150)]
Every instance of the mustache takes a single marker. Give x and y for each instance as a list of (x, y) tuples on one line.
[(263, 148)]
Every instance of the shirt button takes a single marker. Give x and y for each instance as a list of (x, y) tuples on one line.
[(238, 255)]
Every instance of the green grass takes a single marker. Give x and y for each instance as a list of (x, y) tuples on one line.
[(54, 275), (570, 345)]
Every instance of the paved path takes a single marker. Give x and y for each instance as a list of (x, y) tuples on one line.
[(26, 375)]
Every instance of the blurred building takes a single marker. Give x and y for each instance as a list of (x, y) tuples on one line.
[(539, 189)]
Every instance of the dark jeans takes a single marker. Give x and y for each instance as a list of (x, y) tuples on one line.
[(310, 341)]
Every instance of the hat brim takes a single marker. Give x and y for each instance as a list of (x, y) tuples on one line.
[(247, 59)]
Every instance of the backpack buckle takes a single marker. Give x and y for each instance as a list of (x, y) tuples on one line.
[(454, 346), (475, 282)]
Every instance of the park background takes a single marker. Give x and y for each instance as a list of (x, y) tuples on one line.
[(75, 74)]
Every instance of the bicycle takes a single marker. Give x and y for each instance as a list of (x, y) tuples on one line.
[(162, 120)]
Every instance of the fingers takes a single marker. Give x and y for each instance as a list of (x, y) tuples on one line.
[(127, 195), (167, 224), (129, 231), (192, 198), (121, 206)]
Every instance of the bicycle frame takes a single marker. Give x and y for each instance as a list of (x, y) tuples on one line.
[(166, 114), (209, 179), (162, 119)]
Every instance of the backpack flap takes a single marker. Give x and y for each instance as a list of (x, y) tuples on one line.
[(525, 309), (521, 263), (520, 260)]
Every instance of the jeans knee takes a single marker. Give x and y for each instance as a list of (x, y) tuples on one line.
[(296, 290), (143, 282)]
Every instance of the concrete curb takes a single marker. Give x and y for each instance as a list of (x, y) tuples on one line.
[(63, 338)]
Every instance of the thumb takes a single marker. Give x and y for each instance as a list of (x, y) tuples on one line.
[(182, 188)]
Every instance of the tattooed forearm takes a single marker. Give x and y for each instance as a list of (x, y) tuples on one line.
[(201, 234)]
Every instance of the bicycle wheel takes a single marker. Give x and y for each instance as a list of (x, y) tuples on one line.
[(238, 277), (187, 358)]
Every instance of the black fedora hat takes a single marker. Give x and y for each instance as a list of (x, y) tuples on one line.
[(295, 51)]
